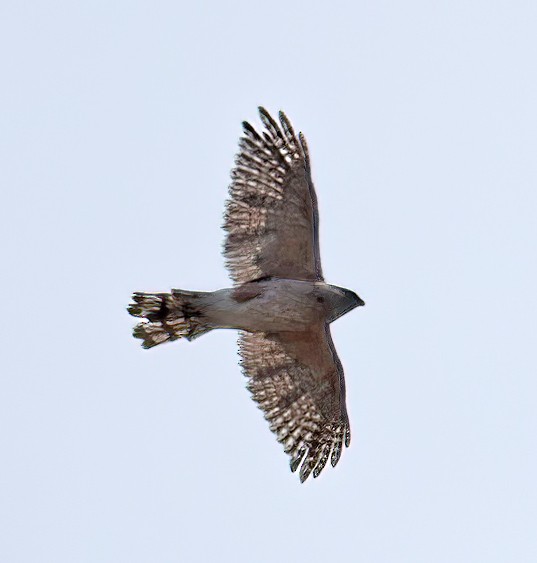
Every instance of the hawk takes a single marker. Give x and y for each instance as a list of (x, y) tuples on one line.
[(279, 301)]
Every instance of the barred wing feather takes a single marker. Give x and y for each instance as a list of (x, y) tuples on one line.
[(297, 381), (271, 215)]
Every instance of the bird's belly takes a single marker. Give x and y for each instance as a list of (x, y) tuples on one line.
[(274, 314), (283, 307)]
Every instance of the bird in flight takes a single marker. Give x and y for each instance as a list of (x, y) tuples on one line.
[(279, 301)]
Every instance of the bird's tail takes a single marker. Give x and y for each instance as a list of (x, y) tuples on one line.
[(168, 316)]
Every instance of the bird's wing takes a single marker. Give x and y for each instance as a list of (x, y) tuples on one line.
[(271, 215), (297, 380)]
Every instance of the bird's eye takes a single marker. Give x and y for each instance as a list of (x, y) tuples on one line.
[(320, 299)]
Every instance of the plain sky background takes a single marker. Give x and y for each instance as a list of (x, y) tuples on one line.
[(119, 122)]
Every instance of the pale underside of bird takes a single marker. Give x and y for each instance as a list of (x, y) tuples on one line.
[(279, 302)]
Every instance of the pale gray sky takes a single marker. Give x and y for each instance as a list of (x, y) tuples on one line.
[(118, 129)]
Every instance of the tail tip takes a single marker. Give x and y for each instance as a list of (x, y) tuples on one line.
[(165, 317), (134, 309)]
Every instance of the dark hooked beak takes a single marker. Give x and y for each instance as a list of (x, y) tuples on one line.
[(357, 301)]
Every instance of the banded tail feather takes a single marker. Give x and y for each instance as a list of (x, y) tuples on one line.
[(167, 316)]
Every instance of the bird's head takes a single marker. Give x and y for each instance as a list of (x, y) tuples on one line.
[(342, 301)]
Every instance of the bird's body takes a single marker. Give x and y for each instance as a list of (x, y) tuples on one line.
[(279, 302), (277, 305)]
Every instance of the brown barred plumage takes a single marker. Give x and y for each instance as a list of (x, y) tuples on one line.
[(167, 316), (307, 416), (271, 215)]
